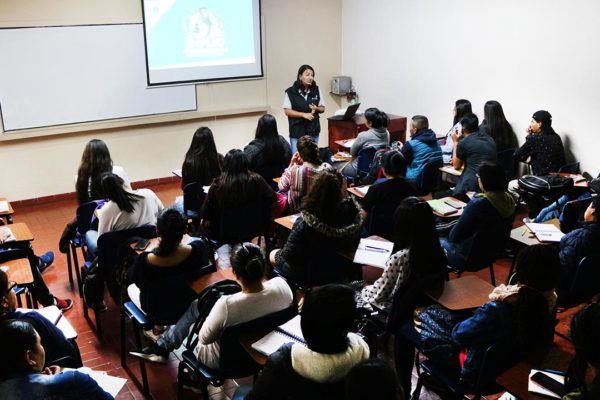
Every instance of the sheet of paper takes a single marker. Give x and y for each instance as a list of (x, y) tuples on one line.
[(349, 143), (545, 232), (54, 315), (535, 388), (3, 206), (373, 252), (363, 189), (110, 384)]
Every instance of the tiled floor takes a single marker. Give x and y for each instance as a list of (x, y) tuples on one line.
[(47, 222)]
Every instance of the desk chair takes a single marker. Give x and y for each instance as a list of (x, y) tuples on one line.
[(20, 290), (193, 199), (430, 177), (83, 218), (379, 220), (572, 168), (586, 283), (364, 159), (235, 362), (572, 214), (506, 159)]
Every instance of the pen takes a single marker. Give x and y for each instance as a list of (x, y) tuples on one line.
[(378, 249), (58, 319)]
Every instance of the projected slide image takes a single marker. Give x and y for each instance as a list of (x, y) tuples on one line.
[(192, 33)]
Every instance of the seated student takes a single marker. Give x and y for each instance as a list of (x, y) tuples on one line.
[(95, 160), (422, 147), (169, 268), (315, 371), (237, 186), (517, 320), (269, 153), (576, 245), (489, 214), (23, 375), (257, 299), (330, 221), (373, 379), (585, 331), (496, 125), (377, 136), (202, 163), (40, 289), (417, 254), (124, 210), (53, 340), (471, 149), (298, 177), (543, 148), (388, 193), (462, 107)]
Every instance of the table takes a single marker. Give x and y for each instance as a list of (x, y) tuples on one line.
[(359, 191), (343, 130), (7, 213), (288, 221), (20, 231), (345, 143), (516, 379), (450, 170), (19, 271), (205, 280), (247, 338), (523, 234), (462, 293)]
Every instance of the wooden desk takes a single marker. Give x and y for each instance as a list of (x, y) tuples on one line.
[(288, 221), (356, 191), (20, 231), (345, 143), (516, 379), (155, 241), (247, 338), (523, 234), (340, 130), (7, 213), (450, 170), (462, 294), (19, 271), (219, 275)]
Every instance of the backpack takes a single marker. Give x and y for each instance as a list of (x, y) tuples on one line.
[(375, 170), (118, 280), (206, 300), (93, 284), (545, 185)]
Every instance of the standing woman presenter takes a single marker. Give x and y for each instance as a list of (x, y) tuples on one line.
[(302, 103)]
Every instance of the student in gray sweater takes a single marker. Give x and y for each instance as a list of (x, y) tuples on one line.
[(377, 136)]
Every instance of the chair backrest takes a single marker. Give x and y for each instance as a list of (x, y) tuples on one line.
[(193, 198), (506, 159), (486, 248), (572, 168), (84, 215), (380, 219), (245, 222), (364, 159), (586, 283), (572, 214), (429, 179)]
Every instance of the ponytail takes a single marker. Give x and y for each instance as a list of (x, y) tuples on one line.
[(248, 263), (171, 225)]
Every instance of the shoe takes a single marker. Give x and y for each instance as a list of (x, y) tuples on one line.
[(153, 353), (149, 334), (46, 260), (63, 304)]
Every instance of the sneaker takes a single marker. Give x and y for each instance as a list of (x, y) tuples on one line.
[(46, 260), (153, 353), (63, 304)]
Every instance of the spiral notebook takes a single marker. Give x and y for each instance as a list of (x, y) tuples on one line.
[(286, 333)]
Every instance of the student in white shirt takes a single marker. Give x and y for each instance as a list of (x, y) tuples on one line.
[(257, 299)]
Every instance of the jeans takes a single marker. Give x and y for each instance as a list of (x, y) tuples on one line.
[(91, 240), (457, 252), (294, 143), (176, 334)]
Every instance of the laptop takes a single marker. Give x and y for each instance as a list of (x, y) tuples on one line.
[(350, 112)]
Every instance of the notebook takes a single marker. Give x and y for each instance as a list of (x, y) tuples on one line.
[(286, 333), (5, 230), (110, 384), (373, 252), (440, 207), (545, 232), (3, 206), (363, 189)]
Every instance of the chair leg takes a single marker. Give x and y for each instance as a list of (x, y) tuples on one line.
[(77, 270), (123, 340), (70, 266), (492, 275), (511, 270), (180, 377), (98, 321), (138, 342)]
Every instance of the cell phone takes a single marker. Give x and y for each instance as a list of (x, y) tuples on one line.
[(453, 203), (141, 244), (548, 383)]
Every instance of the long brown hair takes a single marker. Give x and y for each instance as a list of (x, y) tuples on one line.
[(95, 160), (325, 195)]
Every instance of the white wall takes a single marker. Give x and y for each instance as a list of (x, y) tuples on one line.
[(45, 166), (418, 57)]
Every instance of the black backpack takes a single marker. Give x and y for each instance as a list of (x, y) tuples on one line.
[(206, 300), (93, 284), (545, 185), (118, 280)]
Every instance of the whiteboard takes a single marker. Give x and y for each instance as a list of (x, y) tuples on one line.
[(72, 74)]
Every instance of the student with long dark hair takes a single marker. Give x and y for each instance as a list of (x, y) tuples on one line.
[(496, 125), (23, 374), (124, 210), (417, 254), (377, 136), (373, 379), (302, 104), (269, 153), (170, 267), (462, 107), (543, 148), (298, 177), (257, 298), (95, 161), (202, 162), (585, 331)]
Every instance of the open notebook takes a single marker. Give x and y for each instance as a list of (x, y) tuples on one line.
[(3, 206), (545, 232), (373, 252), (286, 333), (441, 207)]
